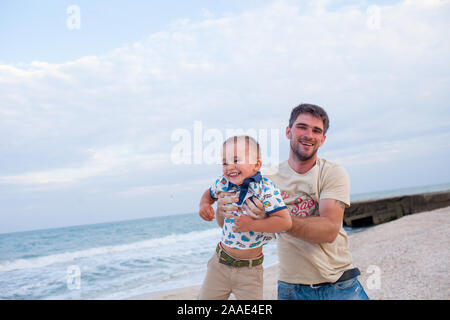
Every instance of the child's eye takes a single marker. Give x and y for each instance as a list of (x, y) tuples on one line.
[(235, 161)]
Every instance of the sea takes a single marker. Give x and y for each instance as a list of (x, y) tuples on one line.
[(121, 260)]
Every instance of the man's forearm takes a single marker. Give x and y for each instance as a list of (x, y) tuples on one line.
[(313, 229), (270, 224)]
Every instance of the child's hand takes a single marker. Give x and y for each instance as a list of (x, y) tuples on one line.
[(206, 212), (243, 223)]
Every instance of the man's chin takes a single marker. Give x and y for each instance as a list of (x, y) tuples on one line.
[(304, 157)]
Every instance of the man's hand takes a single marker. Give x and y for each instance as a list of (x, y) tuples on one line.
[(225, 205), (206, 212), (255, 208), (225, 200)]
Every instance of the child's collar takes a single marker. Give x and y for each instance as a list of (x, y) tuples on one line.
[(244, 186)]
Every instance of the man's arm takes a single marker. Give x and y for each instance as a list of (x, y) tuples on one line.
[(321, 229), (276, 222)]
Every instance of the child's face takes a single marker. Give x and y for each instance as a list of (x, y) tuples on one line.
[(239, 162)]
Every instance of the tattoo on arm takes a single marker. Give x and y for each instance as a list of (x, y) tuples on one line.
[(341, 204)]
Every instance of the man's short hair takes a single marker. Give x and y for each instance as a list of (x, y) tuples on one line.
[(312, 109), (251, 144)]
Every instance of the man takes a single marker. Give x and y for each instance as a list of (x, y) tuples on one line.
[(314, 258)]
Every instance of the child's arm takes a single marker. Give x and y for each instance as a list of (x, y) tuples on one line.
[(276, 222), (206, 211)]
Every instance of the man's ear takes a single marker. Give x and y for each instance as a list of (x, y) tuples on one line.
[(323, 140), (288, 133)]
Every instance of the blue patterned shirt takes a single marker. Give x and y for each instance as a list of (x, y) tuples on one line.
[(255, 186)]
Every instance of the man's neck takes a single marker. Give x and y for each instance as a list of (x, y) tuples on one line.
[(300, 166)]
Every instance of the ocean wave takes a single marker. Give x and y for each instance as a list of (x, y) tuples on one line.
[(43, 261)]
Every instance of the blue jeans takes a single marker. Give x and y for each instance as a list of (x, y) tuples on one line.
[(346, 290)]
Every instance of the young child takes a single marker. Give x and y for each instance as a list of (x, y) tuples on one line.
[(236, 266)]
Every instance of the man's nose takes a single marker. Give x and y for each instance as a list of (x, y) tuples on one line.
[(308, 134)]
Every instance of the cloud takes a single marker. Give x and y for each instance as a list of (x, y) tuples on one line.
[(394, 150), (112, 115), (65, 175), (117, 160), (165, 188)]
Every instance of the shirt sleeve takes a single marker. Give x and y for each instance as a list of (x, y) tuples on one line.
[(218, 186), (336, 185), (272, 199)]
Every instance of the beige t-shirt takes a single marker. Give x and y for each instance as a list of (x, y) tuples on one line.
[(302, 262)]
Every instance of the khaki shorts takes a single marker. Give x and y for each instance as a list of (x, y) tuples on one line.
[(246, 283)]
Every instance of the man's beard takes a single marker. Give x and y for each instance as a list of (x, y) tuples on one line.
[(301, 156)]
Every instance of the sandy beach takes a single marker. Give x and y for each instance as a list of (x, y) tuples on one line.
[(407, 258)]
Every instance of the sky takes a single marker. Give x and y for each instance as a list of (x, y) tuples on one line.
[(97, 101)]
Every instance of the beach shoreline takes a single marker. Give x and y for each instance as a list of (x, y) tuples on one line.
[(400, 259)]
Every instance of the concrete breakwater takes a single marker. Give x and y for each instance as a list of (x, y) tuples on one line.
[(370, 212)]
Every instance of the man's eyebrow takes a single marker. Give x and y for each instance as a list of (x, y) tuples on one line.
[(304, 124)]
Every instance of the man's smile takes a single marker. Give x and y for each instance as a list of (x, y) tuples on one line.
[(305, 143)]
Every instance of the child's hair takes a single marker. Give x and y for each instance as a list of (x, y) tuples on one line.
[(251, 144)]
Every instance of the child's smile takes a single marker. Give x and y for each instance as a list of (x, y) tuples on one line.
[(233, 174), (237, 173)]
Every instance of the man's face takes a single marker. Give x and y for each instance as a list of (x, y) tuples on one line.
[(306, 136)]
